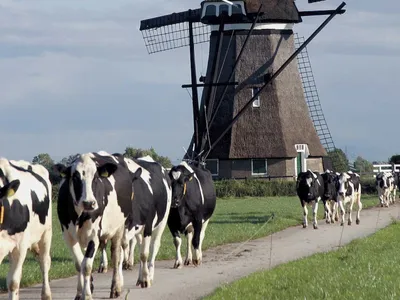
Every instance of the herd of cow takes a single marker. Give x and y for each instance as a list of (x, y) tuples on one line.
[(337, 190), (106, 197), (102, 197)]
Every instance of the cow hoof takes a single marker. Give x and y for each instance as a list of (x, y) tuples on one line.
[(144, 283), (115, 294), (78, 297), (178, 265), (46, 297), (102, 269), (358, 222), (188, 262), (91, 284), (341, 224), (127, 266), (315, 226), (328, 221), (196, 262), (304, 225), (349, 223), (336, 219), (332, 221)]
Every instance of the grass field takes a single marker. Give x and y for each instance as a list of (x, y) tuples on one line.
[(366, 268), (234, 220)]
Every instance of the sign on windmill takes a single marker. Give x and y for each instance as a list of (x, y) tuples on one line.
[(250, 44)]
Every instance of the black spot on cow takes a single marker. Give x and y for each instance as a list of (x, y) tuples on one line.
[(90, 250), (41, 208), (15, 215)]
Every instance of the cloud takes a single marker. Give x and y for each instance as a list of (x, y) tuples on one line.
[(76, 76)]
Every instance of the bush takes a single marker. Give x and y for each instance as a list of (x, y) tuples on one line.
[(262, 188)]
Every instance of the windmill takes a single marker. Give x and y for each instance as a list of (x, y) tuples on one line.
[(253, 119)]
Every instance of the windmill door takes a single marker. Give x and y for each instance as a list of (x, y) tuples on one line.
[(299, 163)]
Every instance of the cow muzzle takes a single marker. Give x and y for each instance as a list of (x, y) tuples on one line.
[(89, 205), (175, 203)]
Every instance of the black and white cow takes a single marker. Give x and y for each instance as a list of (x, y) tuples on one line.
[(25, 220), (348, 193), (94, 202), (331, 187), (193, 204), (385, 187), (310, 189), (150, 210)]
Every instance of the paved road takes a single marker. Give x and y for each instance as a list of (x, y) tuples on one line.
[(229, 262)]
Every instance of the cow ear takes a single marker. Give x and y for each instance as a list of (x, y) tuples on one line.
[(62, 170), (189, 177), (107, 170), (10, 189), (137, 174)]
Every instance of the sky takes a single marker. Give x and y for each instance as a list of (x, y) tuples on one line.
[(76, 77)]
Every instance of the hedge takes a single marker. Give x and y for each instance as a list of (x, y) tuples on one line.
[(262, 188)]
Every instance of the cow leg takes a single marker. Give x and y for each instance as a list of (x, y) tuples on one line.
[(117, 259), (155, 247), (77, 257), (350, 220), (202, 235), (144, 278), (342, 211), (197, 226), (305, 214), (17, 258), (45, 263), (189, 237), (315, 211), (178, 256), (87, 267), (129, 257), (103, 268), (333, 206), (328, 213), (359, 205)]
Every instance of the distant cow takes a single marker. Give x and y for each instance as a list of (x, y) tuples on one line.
[(310, 189), (25, 220), (331, 187), (193, 204), (94, 202), (349, 193), (385, 187)]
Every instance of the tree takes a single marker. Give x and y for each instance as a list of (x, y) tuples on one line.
[(339, 159), (395, 159), (46, 161), (69, 159), (43, 159), (138, 152), (363, 165)]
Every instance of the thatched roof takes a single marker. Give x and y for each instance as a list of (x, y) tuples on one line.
[(274, 10), (272, 130)]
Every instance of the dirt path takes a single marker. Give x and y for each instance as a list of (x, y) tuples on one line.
[(229, 262)]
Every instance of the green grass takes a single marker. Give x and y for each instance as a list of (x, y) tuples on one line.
[(366, 268), (235, 220)]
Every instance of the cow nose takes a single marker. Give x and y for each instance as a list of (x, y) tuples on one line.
[(89, 205), (341, 193)]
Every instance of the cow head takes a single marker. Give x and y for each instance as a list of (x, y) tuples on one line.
[(85, 178), (180, 177), (307, 185), (9, 190), (383, 180), (345, 184), (331, 182)]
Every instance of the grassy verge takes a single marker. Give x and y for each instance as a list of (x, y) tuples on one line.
[(366, 268), (235, 220)]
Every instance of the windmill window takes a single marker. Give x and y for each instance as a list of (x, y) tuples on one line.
[(237, 9), (256, 102), (211, 10), (213, 166), (223, 8), (258, 167)]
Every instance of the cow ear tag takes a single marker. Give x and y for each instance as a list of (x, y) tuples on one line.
[(104, 174), (191, 177), (10, 193), (63, 175)]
